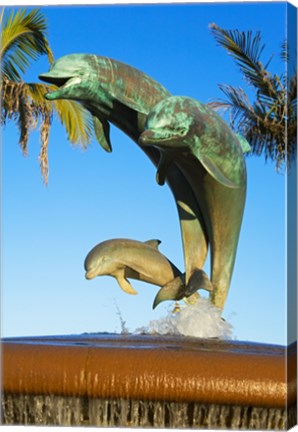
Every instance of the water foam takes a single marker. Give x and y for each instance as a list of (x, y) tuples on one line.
[(202, 320)]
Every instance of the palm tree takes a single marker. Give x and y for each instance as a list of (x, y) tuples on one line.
[(23, 40), (270, 122)]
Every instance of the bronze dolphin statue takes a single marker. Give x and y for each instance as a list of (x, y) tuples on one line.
[(117, 93), (210, 155), (125, 259)]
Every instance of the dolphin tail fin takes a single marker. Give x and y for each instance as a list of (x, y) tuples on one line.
[(102, 132), (153, 243), (173, 290), (198, 280), (123, 282)]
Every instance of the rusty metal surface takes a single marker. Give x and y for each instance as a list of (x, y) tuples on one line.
[(150, 368), (209, 180)]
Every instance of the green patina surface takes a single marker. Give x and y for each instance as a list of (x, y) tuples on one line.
[(178, 123), (199, 141)]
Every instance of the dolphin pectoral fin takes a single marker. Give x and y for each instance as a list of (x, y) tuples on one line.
[(153, 243), (164, 163), (244, 144), (123, 282), (215, 172), (102, 133), (173, 290), (198, 280)]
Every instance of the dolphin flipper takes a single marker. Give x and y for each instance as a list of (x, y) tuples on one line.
[(164, 163), (102, 133), (215, 171), (123, 282)]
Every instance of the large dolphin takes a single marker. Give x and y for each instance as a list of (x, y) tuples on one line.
[(125, 258), (118, 93), (210, 155)]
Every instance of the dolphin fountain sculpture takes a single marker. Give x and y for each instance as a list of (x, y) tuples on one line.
[(120, 94), (124, 259), (211, 157), (114, 92)]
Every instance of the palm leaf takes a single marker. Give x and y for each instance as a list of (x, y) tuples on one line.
[(270, 123), (256, 123), (23, 39), (246, 49), (25, 104), (76, 120), (237, 103)]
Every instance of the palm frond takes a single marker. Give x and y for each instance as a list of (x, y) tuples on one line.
[(246, 50), (237, 103), (23, 39), (270, 123), (262, 124), (76, 120), (25, 104), (44, 140)]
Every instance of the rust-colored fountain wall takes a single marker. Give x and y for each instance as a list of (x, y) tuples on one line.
[(148, 381)]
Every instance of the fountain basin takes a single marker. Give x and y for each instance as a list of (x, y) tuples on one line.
[(155, 370)]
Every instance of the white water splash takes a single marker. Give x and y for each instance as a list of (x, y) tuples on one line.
[(202, 320)]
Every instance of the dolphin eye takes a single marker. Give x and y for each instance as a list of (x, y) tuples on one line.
[(103, 258), (181, 131)]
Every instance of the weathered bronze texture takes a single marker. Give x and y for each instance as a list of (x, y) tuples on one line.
[(211, 157), (118, 93), (125, 258)]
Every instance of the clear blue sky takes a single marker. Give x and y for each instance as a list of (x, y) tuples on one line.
[(93, 196)]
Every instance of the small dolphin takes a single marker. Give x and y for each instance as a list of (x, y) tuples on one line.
[(210, 155), (125, 258)]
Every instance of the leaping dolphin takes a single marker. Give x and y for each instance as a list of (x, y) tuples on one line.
[(210, 155), (125, 258), (118, 93)]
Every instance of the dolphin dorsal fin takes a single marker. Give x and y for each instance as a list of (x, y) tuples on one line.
[(244, 144), (102, 133), (153, 243)]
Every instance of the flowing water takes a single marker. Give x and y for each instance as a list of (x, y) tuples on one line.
[(202, 320), (74, 411)]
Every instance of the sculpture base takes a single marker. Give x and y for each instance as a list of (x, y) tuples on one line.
[(148, 381)]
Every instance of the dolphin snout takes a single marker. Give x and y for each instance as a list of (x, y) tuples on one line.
[(147, 137), (90, 275)]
